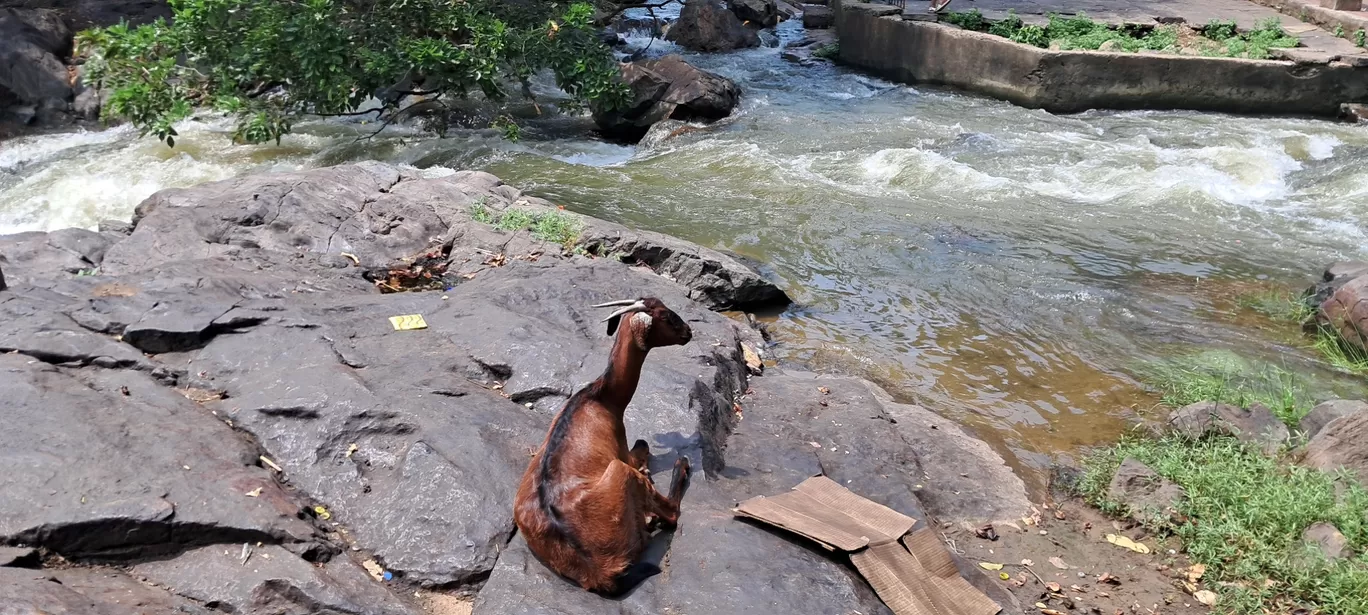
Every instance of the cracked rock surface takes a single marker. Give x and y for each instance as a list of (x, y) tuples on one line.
[(227, 374)]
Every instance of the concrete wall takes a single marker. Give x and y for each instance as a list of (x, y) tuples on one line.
[(1070, 81)]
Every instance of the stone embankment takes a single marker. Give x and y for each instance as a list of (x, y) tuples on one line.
[(1315, 80)]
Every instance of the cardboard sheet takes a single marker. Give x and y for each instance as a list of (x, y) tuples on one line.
[(914, 576)]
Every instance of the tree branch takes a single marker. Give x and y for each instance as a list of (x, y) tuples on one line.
[(608, 17)]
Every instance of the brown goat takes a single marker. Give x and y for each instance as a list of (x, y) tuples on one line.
[(586, 505)]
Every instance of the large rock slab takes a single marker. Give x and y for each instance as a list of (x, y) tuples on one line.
[(32, 46), (379, 215), (1342, 445), (707, 26), (1341, 300), (1256, 425), (85, 592), (273, 581), (110, 464), (668, 88), (438, 449)]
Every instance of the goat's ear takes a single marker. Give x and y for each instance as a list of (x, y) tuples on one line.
[(613, 325)]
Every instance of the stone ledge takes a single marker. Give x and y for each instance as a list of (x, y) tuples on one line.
[(1074, 81)]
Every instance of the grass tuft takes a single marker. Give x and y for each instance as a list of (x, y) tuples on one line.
[(1081, 33), (555, 227), (1245, 514), (1279, 305), (1225, 377)]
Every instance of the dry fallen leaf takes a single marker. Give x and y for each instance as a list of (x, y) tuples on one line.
[(824, 390), (1108, 577), (1190, 587), (1040, 605), (1059, 514), (1195, 572), (253, 493), (1027, 562), (1052, 586), (986, 532), (1004, 576), (1206, 597), (1078, 589), (1122, 541), (1051, 612), (1059, 563), (990, 566), (374, 569)]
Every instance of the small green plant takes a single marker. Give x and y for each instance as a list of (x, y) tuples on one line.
[(1243, 518), (1033, 35), (1305, 15), (1007, 27), (1361, 38), (1339, 353), (1278, 305), (1219, 30), (1339, 30), (514, 220), (480, 213), (969, 20), (828, 52)]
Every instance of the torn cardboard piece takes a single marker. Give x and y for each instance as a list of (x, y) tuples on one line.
[(916, 576)]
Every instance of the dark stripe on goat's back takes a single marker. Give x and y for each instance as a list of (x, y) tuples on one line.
[(560, 432)]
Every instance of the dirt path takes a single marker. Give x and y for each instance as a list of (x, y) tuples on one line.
[(1143, 584)]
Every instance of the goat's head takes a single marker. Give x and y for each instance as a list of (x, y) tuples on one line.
[(649, 322)]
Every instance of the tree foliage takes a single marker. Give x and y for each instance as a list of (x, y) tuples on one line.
[(271, 61)]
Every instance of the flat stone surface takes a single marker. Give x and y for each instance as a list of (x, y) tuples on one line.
[(18, 556), (1328, 411), (86, 592), (1342, 445), (94, 472), (272, 581), (1149, 497)]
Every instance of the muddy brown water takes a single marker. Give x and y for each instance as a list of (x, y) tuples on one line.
[(1005, 267)]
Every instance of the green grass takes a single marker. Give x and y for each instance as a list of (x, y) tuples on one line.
[(828, 52), (480, 213), (1287, 307), (1245, 514), (1339, 353), (1361, 38), (554, 226), (1278, 305), (1081, 33), (1225, 377)]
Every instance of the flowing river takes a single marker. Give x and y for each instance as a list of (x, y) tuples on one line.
[(1008, 268)]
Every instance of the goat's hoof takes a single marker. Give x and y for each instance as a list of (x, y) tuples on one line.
[(681, 466)]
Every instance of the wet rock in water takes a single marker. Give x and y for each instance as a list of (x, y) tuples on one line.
[(1341, 445), (1148, 496), (1328, 540), (668, 88), (756, 13), (804, 50), (1256, 425), (1341, 301), (1328, 411), (818, 17), (707, 26), (787, 10), (86, 592), (272, 580)]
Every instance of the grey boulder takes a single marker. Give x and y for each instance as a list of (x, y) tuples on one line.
[(668, 88), (707, 26), (1256, 425)]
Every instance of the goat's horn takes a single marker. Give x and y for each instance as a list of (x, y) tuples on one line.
[(618, 303), (636, 306)]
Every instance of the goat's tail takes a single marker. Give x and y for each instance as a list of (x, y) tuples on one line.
[(555, 522)]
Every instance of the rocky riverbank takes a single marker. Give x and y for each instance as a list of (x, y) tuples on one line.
[(210, 409)]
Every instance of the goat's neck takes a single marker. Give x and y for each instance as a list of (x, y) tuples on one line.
[(623, 373)]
